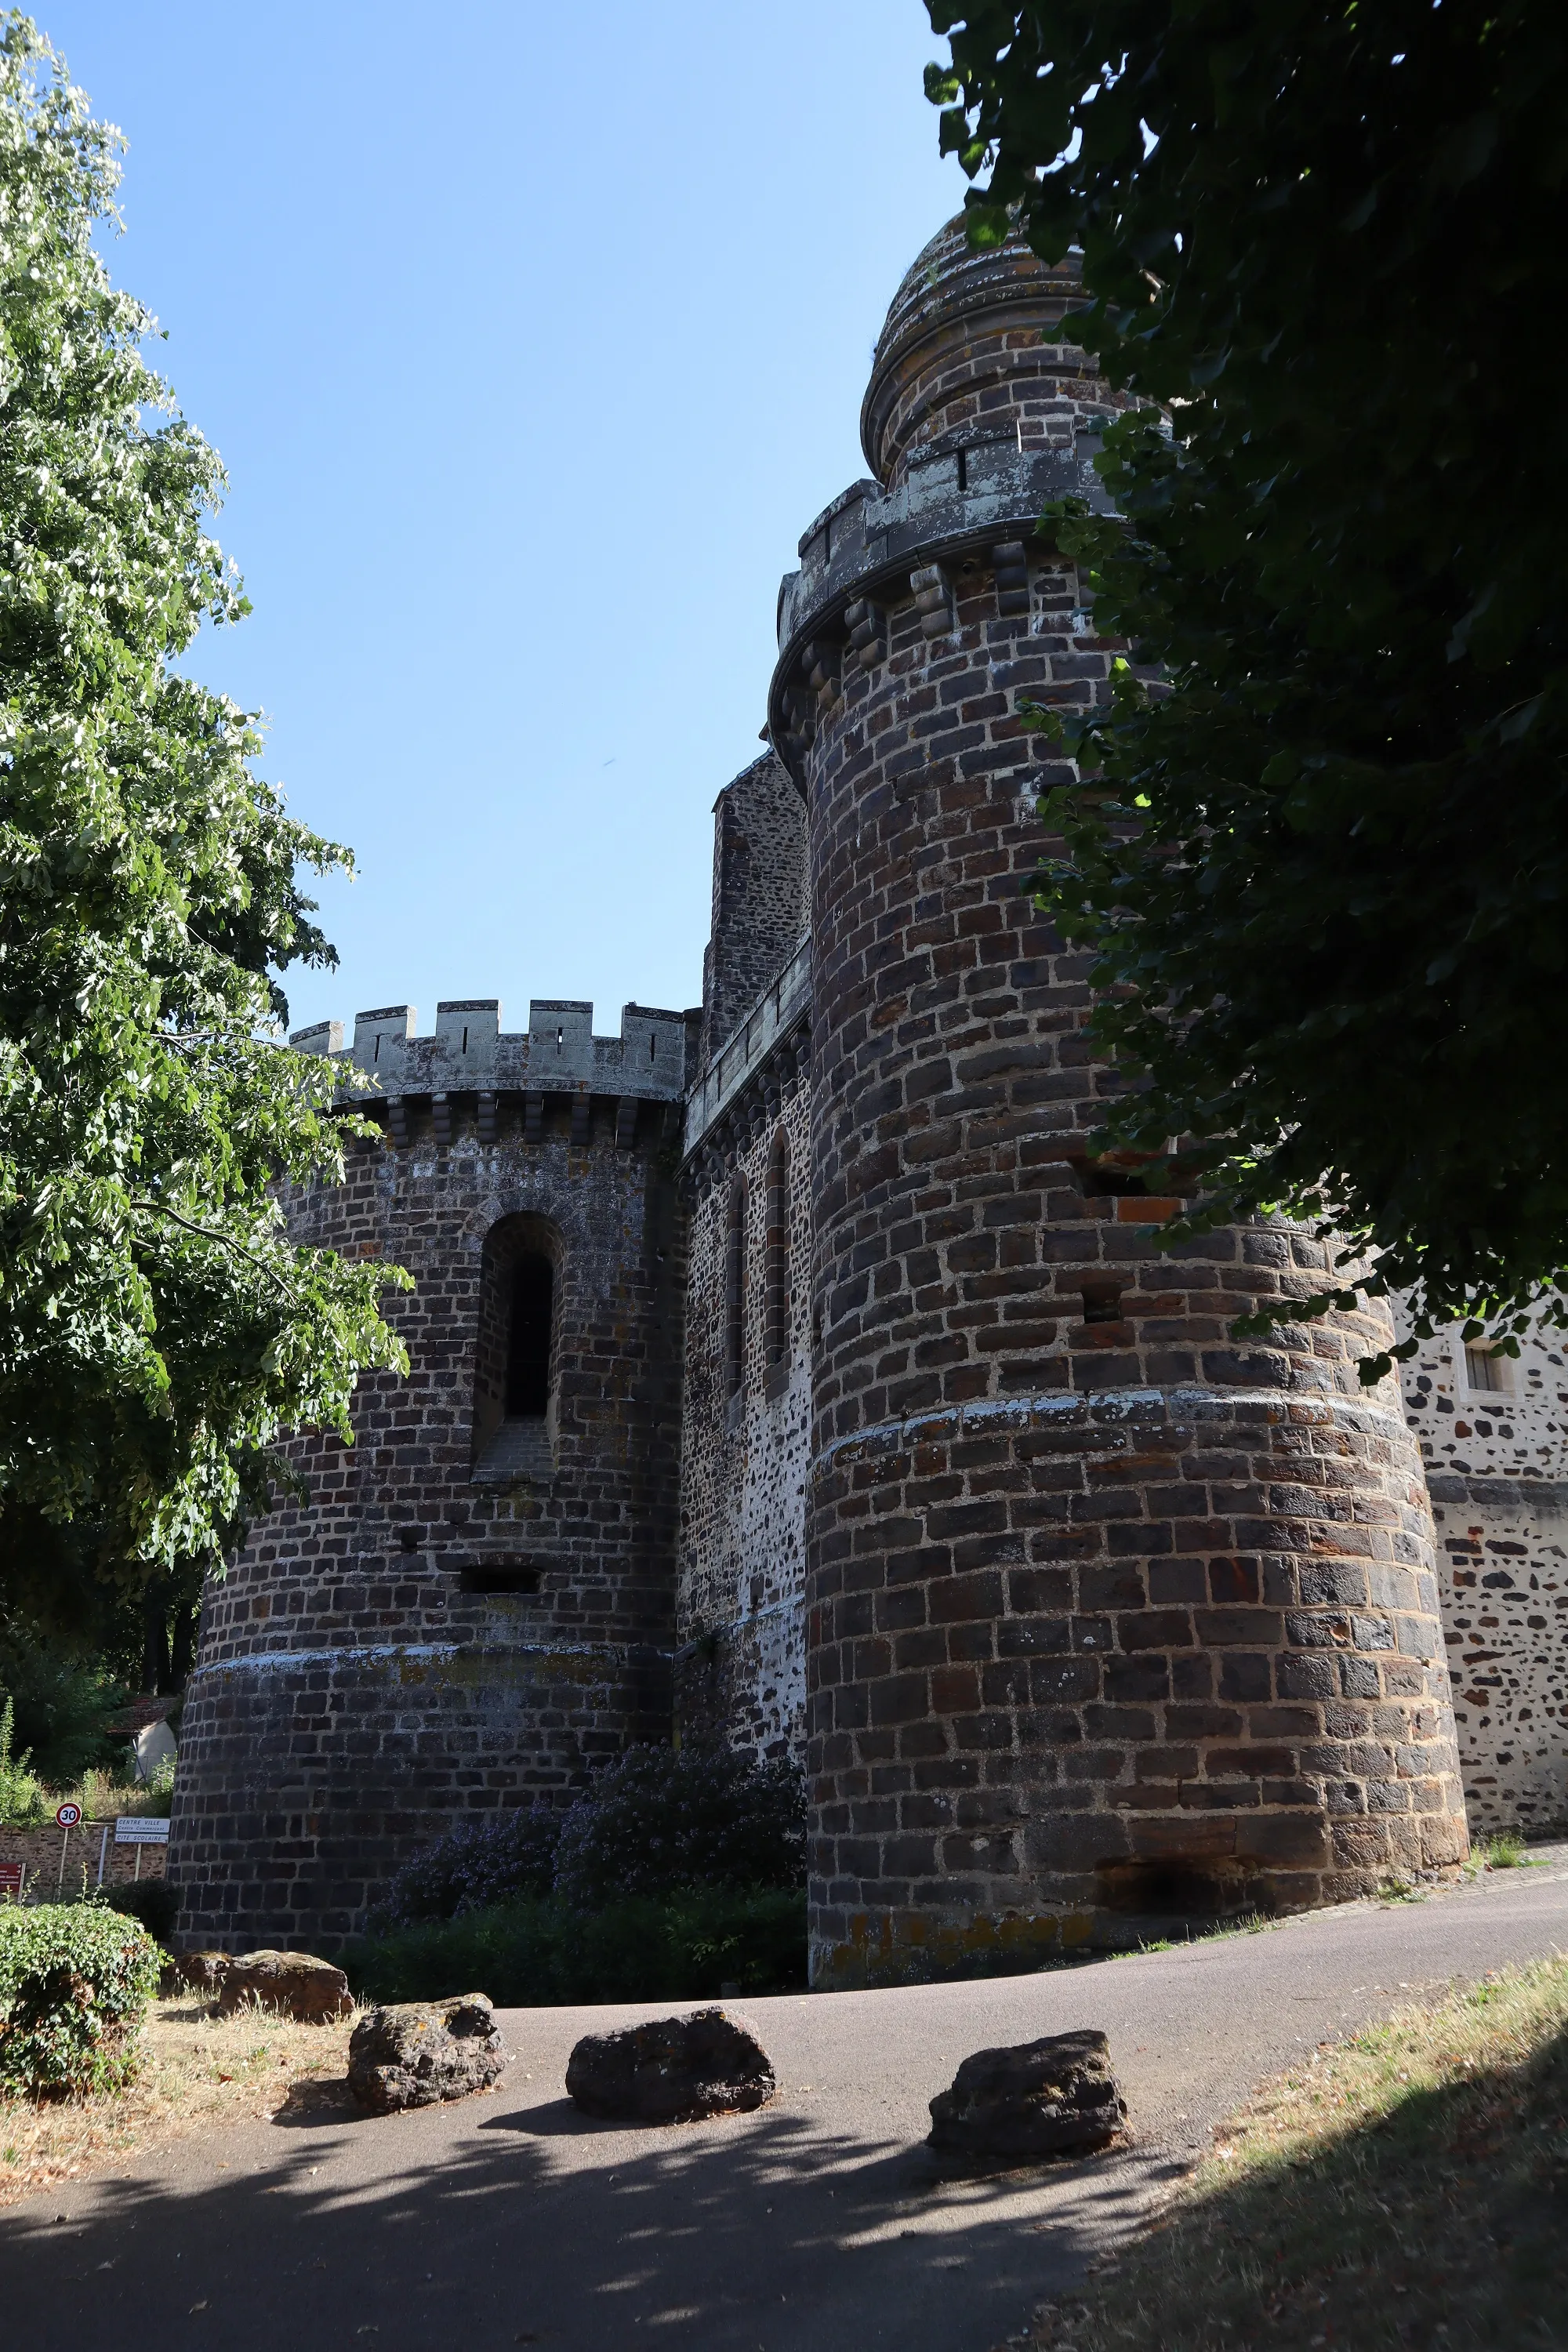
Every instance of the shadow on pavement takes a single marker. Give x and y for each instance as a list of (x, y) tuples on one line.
[(470, 2227)]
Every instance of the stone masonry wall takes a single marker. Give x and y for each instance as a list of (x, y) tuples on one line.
[(1496, 1463), (68, 1862), (1107, 1616), (419, 1640), (741, 1607), (759, 894)]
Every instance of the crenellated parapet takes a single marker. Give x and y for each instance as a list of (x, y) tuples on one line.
[(469, 1063), (967, 509)]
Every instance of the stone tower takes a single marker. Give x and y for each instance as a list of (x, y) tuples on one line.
[(472, 1606), (1105, 1615)]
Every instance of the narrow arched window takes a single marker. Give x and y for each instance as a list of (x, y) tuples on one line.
[(734, 1288), (528, 1338), (776, 1323), (517, 1350)]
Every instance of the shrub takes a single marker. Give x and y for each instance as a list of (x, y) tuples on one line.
[(158, 1790), (152, 1900), (658, 1820), (75, 1980), (487, 1861), (535, 1954), (63, 1704), (21, 1795)]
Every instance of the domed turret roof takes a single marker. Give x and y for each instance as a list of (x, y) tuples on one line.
[(949, 281)]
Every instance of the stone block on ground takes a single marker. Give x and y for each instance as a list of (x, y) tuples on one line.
[(199, 1972), (1048, 2098), (674, 2071), (312, 1991), (415, 2053)]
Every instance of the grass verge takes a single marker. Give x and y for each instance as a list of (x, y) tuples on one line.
[(197, 2069), (1408, 2186)]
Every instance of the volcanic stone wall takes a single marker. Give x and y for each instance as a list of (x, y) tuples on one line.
[(1496, 1469), (1107, 1618), (431, 1634), (759, 895), (741, 1660)]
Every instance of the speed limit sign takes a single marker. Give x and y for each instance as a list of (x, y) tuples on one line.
[(68, 1816)]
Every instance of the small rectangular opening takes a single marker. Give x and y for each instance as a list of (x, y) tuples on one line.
[(499, 1576), (1487, 1373), (1107, 1180), (1101, 1300)]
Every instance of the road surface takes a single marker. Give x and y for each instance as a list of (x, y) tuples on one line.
[(817, 2225)]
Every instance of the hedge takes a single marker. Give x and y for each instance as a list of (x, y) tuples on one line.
[(74, 1982), (541, 1953)]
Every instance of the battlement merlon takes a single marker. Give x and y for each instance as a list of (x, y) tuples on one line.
[(558, 1053)]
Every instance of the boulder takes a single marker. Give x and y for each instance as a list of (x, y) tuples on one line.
[(201, 1972), (1055, 2098), (312, 1991), (413, 2053), (671, 2072)]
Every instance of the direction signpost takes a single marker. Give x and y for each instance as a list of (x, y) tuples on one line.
[(139, 1830)]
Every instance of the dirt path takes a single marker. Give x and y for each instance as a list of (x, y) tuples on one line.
[(815, 2226)]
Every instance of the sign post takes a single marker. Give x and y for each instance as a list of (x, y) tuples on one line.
[(139, 1830), (68, 1816)]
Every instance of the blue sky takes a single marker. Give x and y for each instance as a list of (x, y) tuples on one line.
[(532, 340)]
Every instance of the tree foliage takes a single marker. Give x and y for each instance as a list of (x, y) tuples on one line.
[(157, 1331), (1322, 867)]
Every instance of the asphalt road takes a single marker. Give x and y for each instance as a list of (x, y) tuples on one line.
[(816, 2225)]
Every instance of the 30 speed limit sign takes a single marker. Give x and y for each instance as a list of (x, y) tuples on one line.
[(68, 1816)]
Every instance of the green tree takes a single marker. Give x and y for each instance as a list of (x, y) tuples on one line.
[(1322, 865), (157, 1330)]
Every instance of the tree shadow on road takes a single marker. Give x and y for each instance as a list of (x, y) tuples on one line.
[(515, 2220)]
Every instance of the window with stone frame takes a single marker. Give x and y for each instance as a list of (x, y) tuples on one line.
[(1487, 1372)]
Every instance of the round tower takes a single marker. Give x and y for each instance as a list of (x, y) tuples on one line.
[(471, 1607), (1109, 1618)]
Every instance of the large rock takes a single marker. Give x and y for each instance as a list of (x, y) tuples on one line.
[(413, 2053), (202, 1972), (680, 2068), (1055, 2098), (311, 1991)]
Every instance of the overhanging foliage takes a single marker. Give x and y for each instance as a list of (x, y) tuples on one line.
[(1323, 870)]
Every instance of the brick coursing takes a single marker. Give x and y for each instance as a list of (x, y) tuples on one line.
[(68, 1865), (740, 1601), (1104, 1611), (926, 1464), (418, 1641), (759, 894)]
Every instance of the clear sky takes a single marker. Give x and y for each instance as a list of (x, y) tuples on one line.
[(532, 340)]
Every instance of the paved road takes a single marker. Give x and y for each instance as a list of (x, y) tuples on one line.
[(816, 2226)]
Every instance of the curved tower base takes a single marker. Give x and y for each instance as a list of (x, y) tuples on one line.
[(1139, 1666)]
